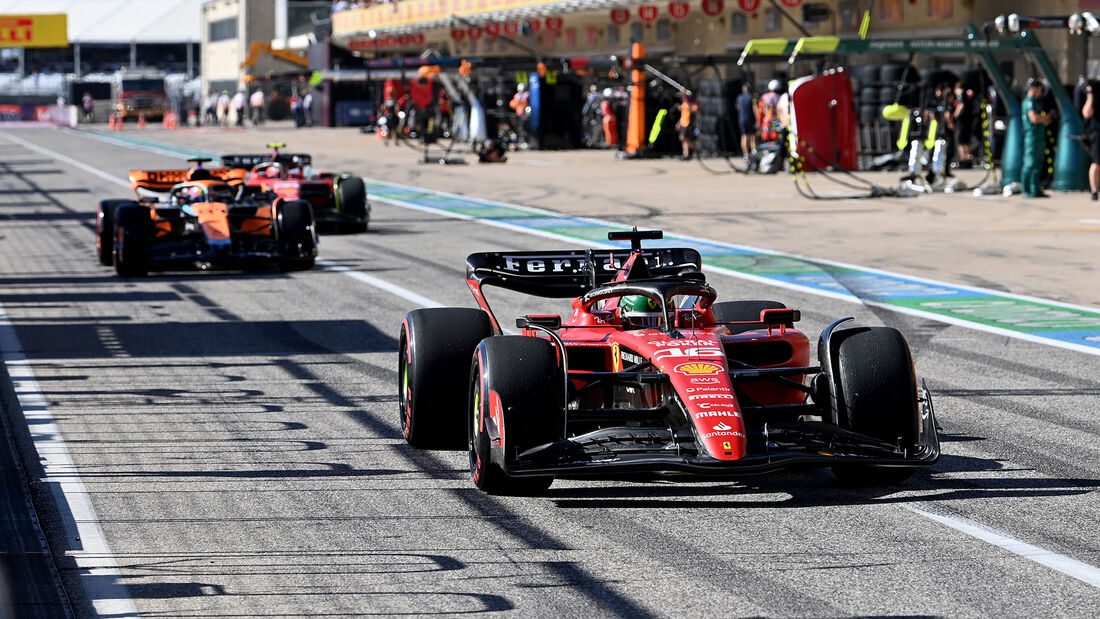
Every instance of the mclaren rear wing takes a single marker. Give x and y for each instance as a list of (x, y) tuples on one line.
[(148, 183)]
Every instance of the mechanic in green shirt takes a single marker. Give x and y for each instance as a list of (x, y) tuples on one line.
[(1035, 138)]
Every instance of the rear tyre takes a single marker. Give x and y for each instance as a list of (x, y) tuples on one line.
[(743, 311), (297, 235), (516, 390), (433, 373), (353, 203), (133, 231), (105, 230), (877, 397)]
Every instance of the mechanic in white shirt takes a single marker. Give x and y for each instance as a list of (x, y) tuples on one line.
[(239, 101), (256, 103)]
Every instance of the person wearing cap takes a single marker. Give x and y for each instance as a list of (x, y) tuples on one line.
[(1036, 121)]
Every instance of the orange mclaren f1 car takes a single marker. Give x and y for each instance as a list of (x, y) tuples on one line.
[(203, 218)]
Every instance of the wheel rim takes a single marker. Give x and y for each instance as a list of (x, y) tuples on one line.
[(474, 427), (405, 394)]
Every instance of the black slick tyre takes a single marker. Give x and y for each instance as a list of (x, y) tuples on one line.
[(743, 311), (105, 230), (297, 235), (352, 194), (133, 231), (433, 371), (877, 396), (515, 404)]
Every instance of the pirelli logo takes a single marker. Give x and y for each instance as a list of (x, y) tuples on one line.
[(34, 31)]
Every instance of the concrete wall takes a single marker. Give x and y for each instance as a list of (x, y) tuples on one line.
[(221, 60)]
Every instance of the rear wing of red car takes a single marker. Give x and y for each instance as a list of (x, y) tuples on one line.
[(570, 273), (248, 161)]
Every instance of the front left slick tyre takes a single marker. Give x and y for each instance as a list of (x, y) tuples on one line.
[(877, 397), (515, 404)]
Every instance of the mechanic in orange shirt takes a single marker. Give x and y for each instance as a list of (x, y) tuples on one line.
[(688, 107)]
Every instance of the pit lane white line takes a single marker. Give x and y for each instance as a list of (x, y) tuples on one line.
[(1070, 567), (1048, 558), (99, 573), (65, 159), (381, 284), (99, 576)]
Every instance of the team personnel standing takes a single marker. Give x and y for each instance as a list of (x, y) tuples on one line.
[(256, 105), (239, 101), (767, 113), (686, 126), (963, 116), (307, 107), (1035, 138), (211, 107), (88, 104), (223, 108), (1092, 129), (746, 119)]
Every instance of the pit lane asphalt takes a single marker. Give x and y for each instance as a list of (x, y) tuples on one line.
[(238, 435)]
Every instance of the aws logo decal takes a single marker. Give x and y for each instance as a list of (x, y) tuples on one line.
[(698, 368)]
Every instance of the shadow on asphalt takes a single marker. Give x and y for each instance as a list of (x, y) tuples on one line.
[(818, 488)]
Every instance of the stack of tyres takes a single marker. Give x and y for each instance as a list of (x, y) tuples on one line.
[(877, 87), (713, 119)]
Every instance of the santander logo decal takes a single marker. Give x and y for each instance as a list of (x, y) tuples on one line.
[(722, 427)]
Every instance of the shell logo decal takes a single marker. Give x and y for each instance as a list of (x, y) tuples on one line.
[(697, 368)]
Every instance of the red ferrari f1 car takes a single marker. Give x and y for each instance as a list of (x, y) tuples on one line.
[(650, 376), (339, 200), (200, 218)]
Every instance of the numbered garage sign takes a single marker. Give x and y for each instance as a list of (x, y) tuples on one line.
[(714, 8)]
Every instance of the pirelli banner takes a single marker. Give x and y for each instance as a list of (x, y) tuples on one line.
[(34, 30), (408, 12)]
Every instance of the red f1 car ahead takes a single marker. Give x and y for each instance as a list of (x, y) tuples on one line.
[(200, 218), (650, 376), (339, 200)]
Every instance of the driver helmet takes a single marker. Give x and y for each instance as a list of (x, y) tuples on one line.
[(272, 172), (640, 312), (194, 194)]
